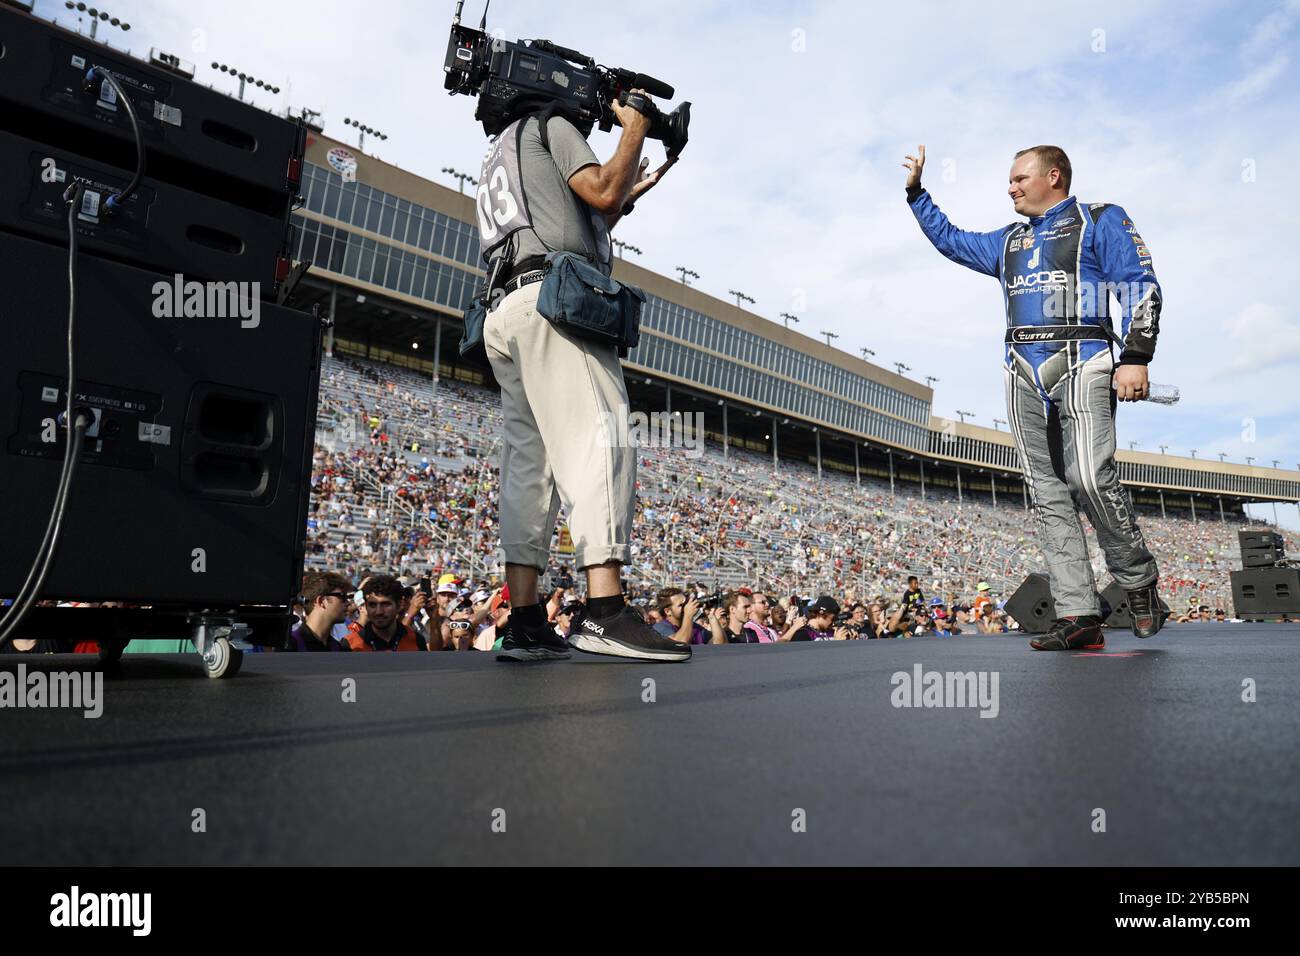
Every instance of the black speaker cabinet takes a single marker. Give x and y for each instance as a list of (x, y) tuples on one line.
[(160, 226), (1114, 607), (195, 137), (1261, 557), (1266, 591), (193, 484), (1259, 539), (1032, 604)]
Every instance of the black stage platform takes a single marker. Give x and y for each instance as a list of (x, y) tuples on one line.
[(1155, 733)]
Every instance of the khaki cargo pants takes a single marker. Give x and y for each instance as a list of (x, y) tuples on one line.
[(561, 399)]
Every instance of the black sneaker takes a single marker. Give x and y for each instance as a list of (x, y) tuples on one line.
[(525, 644), (1147, 614), (1079, 633), (624, 634)]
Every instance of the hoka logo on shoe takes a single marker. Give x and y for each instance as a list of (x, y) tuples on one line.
[(592, 626)]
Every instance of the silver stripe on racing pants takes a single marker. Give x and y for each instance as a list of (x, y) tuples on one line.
[(1088, 480)]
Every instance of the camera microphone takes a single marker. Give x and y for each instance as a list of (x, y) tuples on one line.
[(652, 86)]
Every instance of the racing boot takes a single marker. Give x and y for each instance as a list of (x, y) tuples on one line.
[(1079, 633), (1147, 614)]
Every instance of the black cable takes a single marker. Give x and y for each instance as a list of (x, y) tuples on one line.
[(118, 198), (76, 424), (19, 610)]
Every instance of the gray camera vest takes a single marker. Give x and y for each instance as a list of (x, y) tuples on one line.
[(502, 203)]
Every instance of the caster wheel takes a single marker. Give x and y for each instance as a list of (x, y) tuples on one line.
[(222, 660)]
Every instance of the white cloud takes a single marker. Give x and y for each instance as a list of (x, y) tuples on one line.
[(1253, 84), (1263, 337)]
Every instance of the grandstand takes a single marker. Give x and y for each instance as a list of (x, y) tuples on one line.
[(404, 479), (820, 470)]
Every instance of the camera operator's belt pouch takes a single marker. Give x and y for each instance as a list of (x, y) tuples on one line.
[(474, 317), (579, 298)]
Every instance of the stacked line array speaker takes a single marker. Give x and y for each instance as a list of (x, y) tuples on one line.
[(192, 486), (1263, 588), (220, 175), (1261, 549)]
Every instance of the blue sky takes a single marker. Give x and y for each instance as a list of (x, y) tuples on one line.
[(791, 188)]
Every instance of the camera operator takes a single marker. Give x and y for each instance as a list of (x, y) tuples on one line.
[(544, 191), (848, 622), (877, 626), (679, 615), (728, 627), (901, 623), (821, 620)]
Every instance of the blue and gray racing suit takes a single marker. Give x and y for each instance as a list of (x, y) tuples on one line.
[(1058, 272)]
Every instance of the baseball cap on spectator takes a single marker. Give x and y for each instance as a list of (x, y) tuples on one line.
[(982, 586), (936, 602), (823, 605), (748, 592), (502, 598), (571, 607), (447, 584), (481, 595)]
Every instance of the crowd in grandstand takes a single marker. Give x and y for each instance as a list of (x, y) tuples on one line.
[(405, 483), (401, 543)]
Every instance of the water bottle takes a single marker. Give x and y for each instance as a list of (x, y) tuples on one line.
[(1162, 394)]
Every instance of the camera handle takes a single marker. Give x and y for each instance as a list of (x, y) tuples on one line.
[(641, 104)]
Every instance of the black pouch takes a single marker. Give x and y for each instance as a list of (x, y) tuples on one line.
[(472, 338), (581, 299)]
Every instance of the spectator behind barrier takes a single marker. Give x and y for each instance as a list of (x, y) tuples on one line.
[(382, 630), (326, 596), (679, 617)]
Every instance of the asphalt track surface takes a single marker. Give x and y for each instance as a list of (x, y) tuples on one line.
[(1155, 733)]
